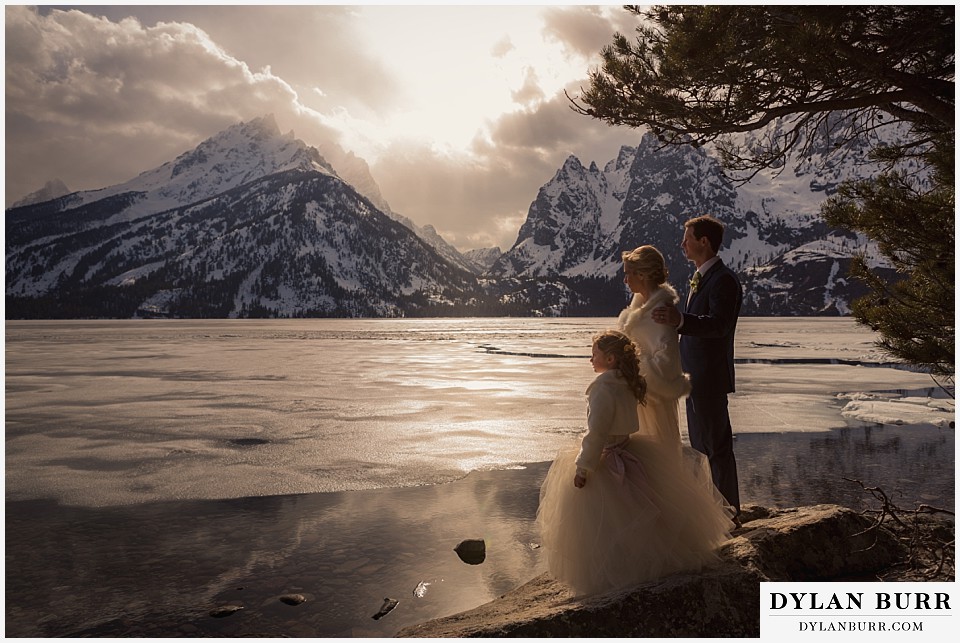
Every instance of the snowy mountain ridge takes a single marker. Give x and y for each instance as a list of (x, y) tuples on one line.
[(249, 223), (52, 189), (583, 218), (254, 223), (240, 154)]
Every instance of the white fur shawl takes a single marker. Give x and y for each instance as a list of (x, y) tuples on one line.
[(657, 344)]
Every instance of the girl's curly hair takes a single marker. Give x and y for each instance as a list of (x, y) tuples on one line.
[(624, 352)]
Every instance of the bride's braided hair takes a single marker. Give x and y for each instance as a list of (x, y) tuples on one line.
[(624, 352)]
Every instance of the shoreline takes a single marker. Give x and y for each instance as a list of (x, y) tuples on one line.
[(159, 569)]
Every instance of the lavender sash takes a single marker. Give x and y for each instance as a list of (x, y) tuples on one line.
[(642, 503), (624, 466)]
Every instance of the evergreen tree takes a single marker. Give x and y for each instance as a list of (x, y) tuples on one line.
[(914, 230), (830, 76), (697, 74)]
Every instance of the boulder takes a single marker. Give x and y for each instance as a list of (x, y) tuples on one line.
[(721, 601), (822, 542), (472, 551), (224, 611), (293, 599)]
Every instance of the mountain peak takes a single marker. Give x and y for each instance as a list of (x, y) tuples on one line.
[(573, 162), (267, 124), (626, 156), (239, 154), (260, 142), (53, 189)]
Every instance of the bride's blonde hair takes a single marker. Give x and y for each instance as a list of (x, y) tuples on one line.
[(647, 261), (624, 353)]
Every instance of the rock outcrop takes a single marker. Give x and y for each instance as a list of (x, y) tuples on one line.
[(823, 542)]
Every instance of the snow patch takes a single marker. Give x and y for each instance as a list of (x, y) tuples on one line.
[(872, 408)]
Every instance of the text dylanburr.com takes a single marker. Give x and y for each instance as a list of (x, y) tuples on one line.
[(848, 610)]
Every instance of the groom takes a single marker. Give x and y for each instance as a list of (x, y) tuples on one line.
[(706, 329)]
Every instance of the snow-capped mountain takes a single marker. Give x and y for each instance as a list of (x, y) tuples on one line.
[(255, 223), (483, 258), (789, 262), (249, 223), (355, 171), (236, 156), (51, 190), (430, 235)]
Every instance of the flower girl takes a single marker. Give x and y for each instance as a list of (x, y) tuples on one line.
[(623, 509)]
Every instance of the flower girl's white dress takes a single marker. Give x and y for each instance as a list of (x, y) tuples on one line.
[(649, 507)]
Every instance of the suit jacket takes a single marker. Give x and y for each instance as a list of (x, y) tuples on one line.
[(706, 335)]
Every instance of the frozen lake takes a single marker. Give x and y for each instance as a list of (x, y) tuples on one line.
[(105, 413), (158, 469)]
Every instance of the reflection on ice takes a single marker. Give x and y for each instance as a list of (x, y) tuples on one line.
[(170, 563), (187, 457), (149, 569), (118, 412)]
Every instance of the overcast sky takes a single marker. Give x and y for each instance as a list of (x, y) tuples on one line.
[(458, 110)]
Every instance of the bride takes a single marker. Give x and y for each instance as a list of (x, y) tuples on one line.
[(649, 508), (645, 274)]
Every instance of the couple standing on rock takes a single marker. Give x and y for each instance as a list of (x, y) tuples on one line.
[(641, 505)]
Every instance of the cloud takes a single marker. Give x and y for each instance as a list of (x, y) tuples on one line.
[(482, 199), (530, 92), (308, 46), (95, 98), (502, 47), (473, 202), (79, 88), (585, 30), (554, 130)]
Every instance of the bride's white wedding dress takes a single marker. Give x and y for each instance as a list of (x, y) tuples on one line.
[(650, 508)]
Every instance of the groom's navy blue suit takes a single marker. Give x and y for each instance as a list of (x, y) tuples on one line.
[(706, 351)]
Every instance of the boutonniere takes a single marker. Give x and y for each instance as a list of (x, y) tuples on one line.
[(695, 282)]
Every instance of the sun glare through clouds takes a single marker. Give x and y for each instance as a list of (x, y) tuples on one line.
[(458, 69), (456, 111)]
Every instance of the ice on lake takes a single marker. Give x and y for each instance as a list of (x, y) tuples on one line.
[(103, 413), (158, 469)]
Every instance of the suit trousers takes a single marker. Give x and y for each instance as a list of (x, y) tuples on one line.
[(708, 423)]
